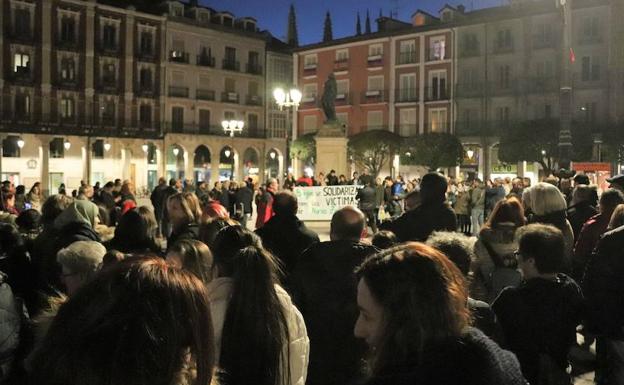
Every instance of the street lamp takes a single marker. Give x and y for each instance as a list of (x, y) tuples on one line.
[(288, 100), (227, 153), (175, 151), (107, 146), (145, 148), (470, 154), (232, 126), (20, 143), (67, 144)]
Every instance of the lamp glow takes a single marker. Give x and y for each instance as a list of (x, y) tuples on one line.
[(470, 154), (67, 144), (295, 96), (20, 143), (279, 95), (227, 153), (145, 148), (176, 151), (107, 146)]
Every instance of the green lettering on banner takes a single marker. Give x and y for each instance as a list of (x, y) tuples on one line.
[(502, 168)]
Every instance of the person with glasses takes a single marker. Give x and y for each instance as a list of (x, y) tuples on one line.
[(539, 317)]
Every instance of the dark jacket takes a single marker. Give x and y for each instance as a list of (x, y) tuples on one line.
[(587, 240), (419, 223), (244, 195), (190, 231), (472, 359), (324, 290), (157, 200), (603, 286), (286, 237), (579, 214), (74, 232), (540, 316), (106, 199), (493, 195), (366, 198)]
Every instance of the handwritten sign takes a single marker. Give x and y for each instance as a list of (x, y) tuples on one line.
[(321, 202)]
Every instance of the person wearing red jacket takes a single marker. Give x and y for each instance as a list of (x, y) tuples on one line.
[(264, 202)]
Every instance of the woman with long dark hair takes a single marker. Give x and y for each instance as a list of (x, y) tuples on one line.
[(415, 318), (260, 335), (136, 233), (139, 322)]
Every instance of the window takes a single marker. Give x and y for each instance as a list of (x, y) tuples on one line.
[(504, 75), (146, 43), (21, 63), (109, 37), (177, 118), (68, 69), (253, 59), (502, 115), (470, 45), (437, 120), (309, 123), (590, 69), (109, 73), (544, 69), (252, 122), (544, 35), (145, 114), (407, 88), (67, 108), (437, 48), (22, 22), (178, 49), (437, 85), (309, 92), (230, 54), (204, 121), (230, 85), (375, 83), (469, 118), (252, 89), (374, 120), (68, 30), (57, 149), (342, 89), (342, 55), (22, 106), (229, 115), (97, 149), (10, 149), (375, 50), (408, 124), (469, 77), (591, 28), (309, 61), (108, 112), (145, 79), (504, 40), (407, 52)]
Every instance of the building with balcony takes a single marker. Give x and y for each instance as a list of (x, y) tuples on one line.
[(509, 69), (396, 79), (132, 94)]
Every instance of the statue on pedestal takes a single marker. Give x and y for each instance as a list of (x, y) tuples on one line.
[(332, 126)]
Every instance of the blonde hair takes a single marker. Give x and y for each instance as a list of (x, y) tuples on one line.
[(189, 204), (544, 198)]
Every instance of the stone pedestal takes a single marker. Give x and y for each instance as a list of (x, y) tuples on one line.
[(331, 150)]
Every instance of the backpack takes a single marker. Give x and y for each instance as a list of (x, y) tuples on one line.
[(505, 271)]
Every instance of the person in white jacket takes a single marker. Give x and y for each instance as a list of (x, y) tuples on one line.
[(260, 336)]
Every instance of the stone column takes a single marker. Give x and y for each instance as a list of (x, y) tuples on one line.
[(89, 92), (128, 66), (46, 56), (214, 165), (45, 165)]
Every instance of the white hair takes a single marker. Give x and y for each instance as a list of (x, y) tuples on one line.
[(544, 198), (82, 257)]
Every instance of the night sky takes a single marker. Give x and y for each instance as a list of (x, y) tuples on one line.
[(273, 14)]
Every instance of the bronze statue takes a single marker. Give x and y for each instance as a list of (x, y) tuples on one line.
[(328, 99)]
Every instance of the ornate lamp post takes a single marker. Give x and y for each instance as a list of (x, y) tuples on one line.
[(288, 99), (232, 127)]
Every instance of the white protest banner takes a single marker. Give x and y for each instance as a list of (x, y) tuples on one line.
[(321, 202)]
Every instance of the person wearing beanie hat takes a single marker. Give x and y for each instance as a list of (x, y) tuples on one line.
[(433, 214)]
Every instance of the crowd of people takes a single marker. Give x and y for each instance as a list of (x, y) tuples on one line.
[(455, 282)]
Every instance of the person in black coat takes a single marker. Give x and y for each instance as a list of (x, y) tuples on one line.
[(284, 234), (174, 187), (323, 288), (433, 214), (157, 200), (243, 199), (582, 208), (539, 317), (366, 198), (603, 287)]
